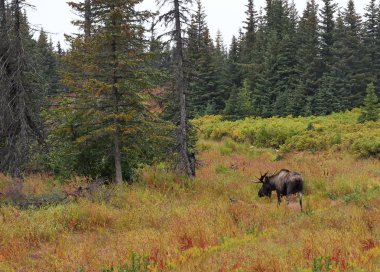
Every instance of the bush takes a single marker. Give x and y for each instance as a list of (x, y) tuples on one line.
[(339, 131), (367, 146), (136, 264)]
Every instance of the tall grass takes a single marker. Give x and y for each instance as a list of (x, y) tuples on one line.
[(215, 222), (182, 225)]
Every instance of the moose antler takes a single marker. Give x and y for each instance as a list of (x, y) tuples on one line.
[(260, 179), (262, 176)]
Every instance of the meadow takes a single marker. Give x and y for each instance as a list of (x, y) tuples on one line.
[(165, 222)]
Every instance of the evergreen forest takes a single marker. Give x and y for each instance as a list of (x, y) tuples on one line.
[(123, 93)]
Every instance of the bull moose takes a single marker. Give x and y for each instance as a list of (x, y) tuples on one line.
[(284, 182)]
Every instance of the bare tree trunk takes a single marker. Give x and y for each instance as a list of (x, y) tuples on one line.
[(117, 148), (18, 97), (117, 136), (186, 164), (87, 19), (117, 154)]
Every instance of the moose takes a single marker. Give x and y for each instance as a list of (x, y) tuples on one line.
[(284, 182)]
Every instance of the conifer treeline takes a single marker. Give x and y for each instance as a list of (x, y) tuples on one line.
[(285, 64), (100, 108)]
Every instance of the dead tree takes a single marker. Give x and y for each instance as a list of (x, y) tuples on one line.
[(176, 16), (19, 103)]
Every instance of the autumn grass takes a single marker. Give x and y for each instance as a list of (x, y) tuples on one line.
[(191, 225)]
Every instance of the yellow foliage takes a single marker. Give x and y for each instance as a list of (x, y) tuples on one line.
[(215, 222), (339, 131)]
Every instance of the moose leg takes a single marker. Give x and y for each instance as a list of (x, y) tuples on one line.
[(300, 195), (288, 194), (278, 198)]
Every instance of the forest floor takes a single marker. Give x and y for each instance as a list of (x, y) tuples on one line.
[(167, 223)]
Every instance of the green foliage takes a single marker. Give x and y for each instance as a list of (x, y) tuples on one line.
[(201, 146), (367, 145), (339, 131), (202, 62), (325, 48), (228, 147), (69, 156), (322, 264), (324, 99), (105, 118), (137, 264), (239, 105), (371, 109), (49, 63), (222, 169)]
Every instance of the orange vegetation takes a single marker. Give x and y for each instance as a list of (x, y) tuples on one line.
[(192, 225)]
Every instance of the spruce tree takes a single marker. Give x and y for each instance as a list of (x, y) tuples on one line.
[(371, 25), (219, 66), (338, 75), (250, 27), (290, 68), (327, 26), (250, 23), (279, 68), (324, 100), (371, 108), (309, 62), (353, 56), (234, 69), (199, 64), (107, 78), (49, 63), (60, 51), (239, 105)]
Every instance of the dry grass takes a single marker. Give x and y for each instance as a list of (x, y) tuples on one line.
[(193, 226)]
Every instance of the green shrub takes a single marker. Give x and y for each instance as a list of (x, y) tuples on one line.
[(202, 146), (310, 140), (229, 147), (228, 143), (367, 146), (323, 264), (225, 151), (339, 131), (136, 264)]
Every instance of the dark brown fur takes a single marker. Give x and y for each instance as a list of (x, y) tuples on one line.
[(285, 183)]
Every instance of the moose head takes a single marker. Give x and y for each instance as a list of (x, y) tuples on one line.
[(266, 189)]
